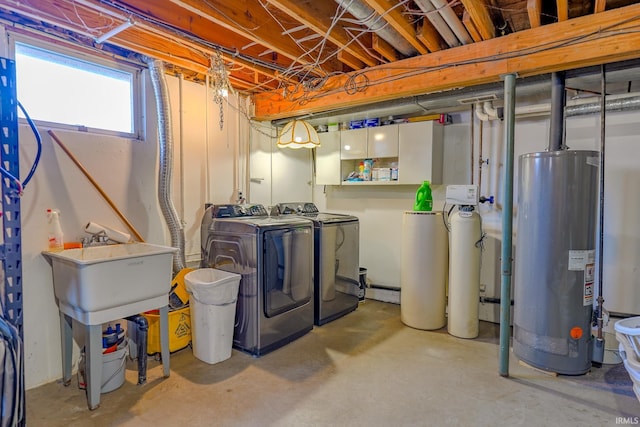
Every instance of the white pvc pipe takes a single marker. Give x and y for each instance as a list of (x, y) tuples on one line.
[(480, 114), (497, 141)]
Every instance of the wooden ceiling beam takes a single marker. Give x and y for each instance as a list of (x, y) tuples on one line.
[(396, 19), (250, 22), (429, 36), (480, 17), (315, 15), (383, 48), (349, 60), (605, 37), (599, 6), (143, 38), (534, 9), (563, 9), (471, 27)]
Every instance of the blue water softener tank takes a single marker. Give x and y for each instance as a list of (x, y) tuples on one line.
[(555, 260)]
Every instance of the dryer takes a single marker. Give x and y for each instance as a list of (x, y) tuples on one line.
[(274, 256), (337, 288)]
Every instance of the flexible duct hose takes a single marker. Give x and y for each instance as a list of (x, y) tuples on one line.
[(165, 139)]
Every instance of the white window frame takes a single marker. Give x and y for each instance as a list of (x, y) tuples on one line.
[(137, 82)]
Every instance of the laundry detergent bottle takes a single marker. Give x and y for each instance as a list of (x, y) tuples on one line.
[(424, 201)]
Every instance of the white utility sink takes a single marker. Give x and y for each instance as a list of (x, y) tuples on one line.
[(100, 283)]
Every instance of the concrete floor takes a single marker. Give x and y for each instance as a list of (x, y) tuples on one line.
[(365, 369)]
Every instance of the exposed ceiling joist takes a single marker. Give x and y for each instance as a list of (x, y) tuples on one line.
[(269, 44), (534, 9), (398, 22), (317, 18), (563, 9), (480, 16), (249, 23), (589, 40), (599, 6), (471, 27), (384, 48)]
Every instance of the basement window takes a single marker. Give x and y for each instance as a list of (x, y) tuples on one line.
[(59, 89)]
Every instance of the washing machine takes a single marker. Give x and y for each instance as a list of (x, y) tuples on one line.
[(274, 256), (337, 288)]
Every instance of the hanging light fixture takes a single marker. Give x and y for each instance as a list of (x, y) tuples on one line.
[(298, 134)]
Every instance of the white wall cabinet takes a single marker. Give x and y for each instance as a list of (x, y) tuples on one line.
[(416, 148), (328, 159), (369, 143), (382, 141), (420, 149), (353, 144)]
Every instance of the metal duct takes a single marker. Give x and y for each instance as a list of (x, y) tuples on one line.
[(556, 127), (452, 20), (436, 19), (377, 24), (165, 139), (621, 104)]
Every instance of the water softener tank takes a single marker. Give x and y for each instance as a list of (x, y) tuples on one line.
[(554, 262), (464, 273)]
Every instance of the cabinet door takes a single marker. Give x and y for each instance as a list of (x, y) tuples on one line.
[(382, 141), (420, 153), (328, 159), (353, 144)]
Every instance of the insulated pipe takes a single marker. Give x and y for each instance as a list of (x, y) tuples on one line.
[(507, 223), (436, 19), (378, 25), (165, 139), (453, 21), (556, 127)]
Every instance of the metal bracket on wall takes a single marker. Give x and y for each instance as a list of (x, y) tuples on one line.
[(12, 230)]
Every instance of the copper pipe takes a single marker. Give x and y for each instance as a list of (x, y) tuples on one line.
[(96, 185)]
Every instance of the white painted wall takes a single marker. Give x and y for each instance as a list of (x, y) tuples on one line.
[(208, 167), (278, 175)]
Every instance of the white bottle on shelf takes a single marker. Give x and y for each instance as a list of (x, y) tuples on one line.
[(56, 242)]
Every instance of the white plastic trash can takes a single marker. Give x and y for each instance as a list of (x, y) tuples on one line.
[(212, 300)]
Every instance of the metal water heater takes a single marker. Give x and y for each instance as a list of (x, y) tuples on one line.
[(555, 260)]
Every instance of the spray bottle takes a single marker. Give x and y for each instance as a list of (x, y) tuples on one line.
[(56, 242)]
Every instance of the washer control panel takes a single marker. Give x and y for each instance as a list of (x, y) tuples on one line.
[(238, 211), (294, 208)]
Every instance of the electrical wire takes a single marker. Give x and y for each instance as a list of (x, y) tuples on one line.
[(599, 34), (20, 186), (36, 161), (16, 182)]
